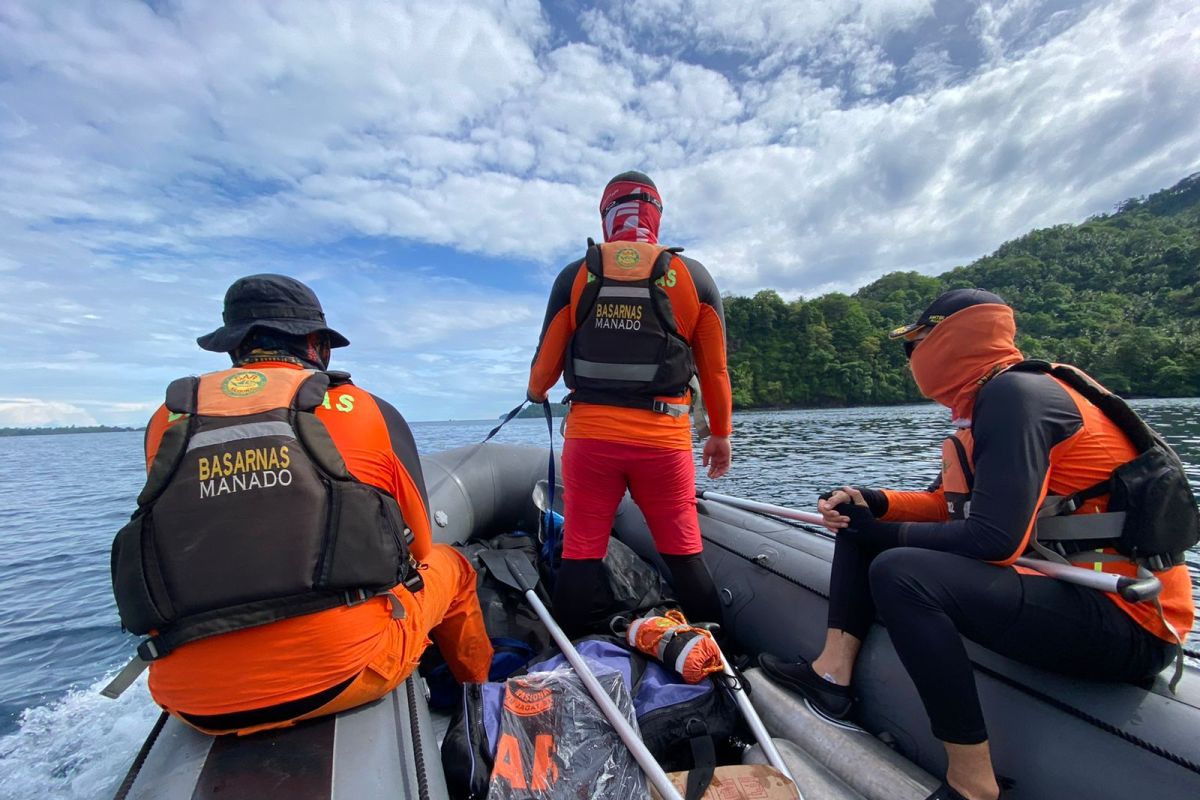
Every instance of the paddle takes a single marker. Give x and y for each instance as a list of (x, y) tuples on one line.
[(514, 570), (1135, 590), (749, 713)]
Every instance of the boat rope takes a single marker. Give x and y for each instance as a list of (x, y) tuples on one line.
[(1061, 705), (136, 766), (418, 745)]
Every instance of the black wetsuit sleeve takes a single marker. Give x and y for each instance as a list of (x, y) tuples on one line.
[(560, 298), (1019, 418), (557, 327), (706, 287), (403, 445)]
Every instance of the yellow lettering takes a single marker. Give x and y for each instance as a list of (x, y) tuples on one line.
[(273, 460), (283, 457), (345, 403), (239, 464), (204, 469), (325, 401), (226, 463)]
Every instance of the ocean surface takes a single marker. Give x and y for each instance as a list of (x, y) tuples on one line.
[(62, 498)]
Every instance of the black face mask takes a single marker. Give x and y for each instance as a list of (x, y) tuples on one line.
[(910, 345), (307, 350)]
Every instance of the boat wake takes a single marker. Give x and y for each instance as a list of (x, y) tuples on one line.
[(76, 747)]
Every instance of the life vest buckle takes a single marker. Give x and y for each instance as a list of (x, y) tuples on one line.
[(354, 597), (414, 582), (148, 651)]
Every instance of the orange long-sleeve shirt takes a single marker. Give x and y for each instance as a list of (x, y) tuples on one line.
[(699, 316)]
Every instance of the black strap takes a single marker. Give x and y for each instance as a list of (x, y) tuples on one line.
[(704, 764), (963, 461), (593, 260), (507, 419), (642, 197), (280, 712), (548, 517)]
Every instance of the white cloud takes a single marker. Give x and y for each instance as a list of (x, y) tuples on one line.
[(797, 145), (26, 412)]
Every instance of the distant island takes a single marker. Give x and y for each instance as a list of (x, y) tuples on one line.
[(66, 429), (1117, 296), (535, 411)]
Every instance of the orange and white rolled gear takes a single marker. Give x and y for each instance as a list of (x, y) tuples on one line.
[(688, 650)]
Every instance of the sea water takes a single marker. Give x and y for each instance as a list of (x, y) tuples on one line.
[(63, 497)]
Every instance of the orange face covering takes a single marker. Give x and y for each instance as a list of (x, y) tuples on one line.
[(963, 353)]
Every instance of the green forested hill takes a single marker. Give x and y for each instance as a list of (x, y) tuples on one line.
[(1117, 296)]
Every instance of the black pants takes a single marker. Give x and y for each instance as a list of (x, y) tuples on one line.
[(929, 600)]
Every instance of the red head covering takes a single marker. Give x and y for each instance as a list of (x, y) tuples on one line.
[(631, 209), (963, 353)]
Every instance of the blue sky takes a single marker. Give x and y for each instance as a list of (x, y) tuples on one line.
[(428, 167)]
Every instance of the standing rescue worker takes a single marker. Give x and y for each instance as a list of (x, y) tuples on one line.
[(1030, 464), (632, 324), (281, 556)]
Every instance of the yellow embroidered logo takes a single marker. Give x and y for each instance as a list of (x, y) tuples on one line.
[(627, 258), (244, 384)]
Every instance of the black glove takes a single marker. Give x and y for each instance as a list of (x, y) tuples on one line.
[(864, 527), (876, 500)]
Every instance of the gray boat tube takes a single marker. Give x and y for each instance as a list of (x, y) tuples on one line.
[(861, 761), (483, 489), (819, 783), (1056, 736)]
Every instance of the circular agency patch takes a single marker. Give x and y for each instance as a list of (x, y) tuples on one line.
[(244, 384), (627, 258)]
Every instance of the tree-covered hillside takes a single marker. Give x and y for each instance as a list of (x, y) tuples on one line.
[(1117, 296)]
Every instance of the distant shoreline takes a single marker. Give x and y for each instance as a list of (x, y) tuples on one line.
[(68, 429)]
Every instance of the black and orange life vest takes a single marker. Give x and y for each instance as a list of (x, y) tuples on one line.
[(249, 515), (626, 349), (1150, 514)]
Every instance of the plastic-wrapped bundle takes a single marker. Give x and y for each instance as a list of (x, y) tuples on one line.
[(555, 744)]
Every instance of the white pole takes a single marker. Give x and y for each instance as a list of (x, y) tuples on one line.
[(1129, 588), (628, 735)]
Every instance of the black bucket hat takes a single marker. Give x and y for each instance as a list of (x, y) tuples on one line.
[(274, 302), (947, 303)]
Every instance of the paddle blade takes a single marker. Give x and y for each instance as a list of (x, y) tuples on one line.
[(541, 499), (510, 568)]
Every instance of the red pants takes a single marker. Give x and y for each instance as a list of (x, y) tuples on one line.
[(596, 474)]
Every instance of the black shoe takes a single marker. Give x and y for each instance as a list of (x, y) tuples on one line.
[(834, 700), (948, 792)]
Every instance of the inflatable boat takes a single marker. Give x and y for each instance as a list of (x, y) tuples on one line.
[(1055, 737)]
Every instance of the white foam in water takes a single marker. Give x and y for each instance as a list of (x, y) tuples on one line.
[(77, 747)]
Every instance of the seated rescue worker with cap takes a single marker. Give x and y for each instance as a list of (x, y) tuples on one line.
[(281, 558), (1029, 467)]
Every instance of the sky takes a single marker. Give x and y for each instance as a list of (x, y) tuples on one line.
[(428, 168)]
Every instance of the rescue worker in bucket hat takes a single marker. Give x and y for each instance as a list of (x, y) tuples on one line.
[(1034, 452), (632, 324), (281, 560)]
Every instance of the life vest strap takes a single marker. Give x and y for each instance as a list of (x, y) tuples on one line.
[(1082, 527), (125, 678)]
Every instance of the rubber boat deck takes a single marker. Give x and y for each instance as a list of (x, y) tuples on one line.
[(1057, 737)]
